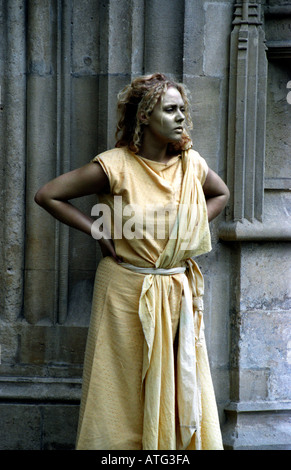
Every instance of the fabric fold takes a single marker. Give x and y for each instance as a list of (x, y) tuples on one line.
[(188, 388), (154, 325)]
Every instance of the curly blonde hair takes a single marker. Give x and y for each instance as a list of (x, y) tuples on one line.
[(136, 103)]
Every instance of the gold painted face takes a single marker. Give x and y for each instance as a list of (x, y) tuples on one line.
[(166, 120)]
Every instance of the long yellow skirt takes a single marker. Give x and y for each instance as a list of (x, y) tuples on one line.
[(111, 412)]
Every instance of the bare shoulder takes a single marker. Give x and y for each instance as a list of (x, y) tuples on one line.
[(83, 181), (93, 176), (213, 184)]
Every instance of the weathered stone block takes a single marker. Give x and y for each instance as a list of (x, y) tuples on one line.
[(278, 135), (249, 429), (38, 426), (164, 37), (254, 384), (85, 35), (206, 108), (59, 426), (39, 302), (217, 30), (52, 345), (20, 427), (266, 277), (8, 344)]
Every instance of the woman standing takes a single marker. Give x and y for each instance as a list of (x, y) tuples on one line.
[(146, 381)]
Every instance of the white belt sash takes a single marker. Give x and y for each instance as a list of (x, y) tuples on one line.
[(161, 271), (188, 386)]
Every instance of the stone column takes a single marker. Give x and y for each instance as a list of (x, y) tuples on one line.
[(41, 253), (13, 142)]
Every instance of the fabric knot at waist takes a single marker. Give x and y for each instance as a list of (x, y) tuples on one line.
[(197, 302)]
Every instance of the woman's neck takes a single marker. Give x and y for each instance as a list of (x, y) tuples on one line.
[(154, 152)]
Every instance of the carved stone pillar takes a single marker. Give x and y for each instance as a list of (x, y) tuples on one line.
[(247, 117)]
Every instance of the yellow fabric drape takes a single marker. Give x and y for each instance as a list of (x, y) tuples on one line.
[(158, 367)]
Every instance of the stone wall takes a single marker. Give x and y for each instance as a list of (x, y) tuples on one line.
[(62, 64), (257, 227)]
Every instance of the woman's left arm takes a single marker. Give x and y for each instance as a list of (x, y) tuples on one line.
[(216, 194)]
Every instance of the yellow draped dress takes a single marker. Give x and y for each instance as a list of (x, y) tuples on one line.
[(146, 380)]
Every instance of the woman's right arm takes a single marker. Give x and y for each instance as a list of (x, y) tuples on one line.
[(55, 195)]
